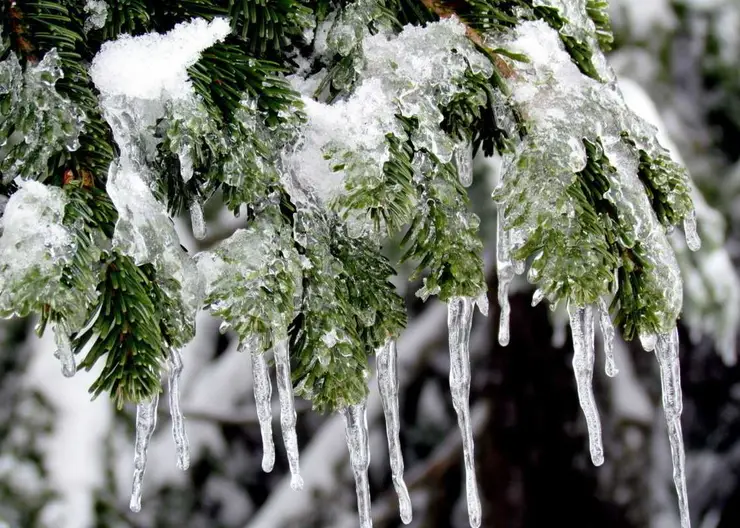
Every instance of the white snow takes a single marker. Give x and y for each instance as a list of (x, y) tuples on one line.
[(154, 66)]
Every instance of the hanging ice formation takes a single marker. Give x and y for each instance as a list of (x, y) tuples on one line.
[(287, 411), (178, 421), (505, 272), (146, 421), (197, 220), (358, 443), (262, 397), (582, 328), (607, 333), (64, 350), (666, 350), (459, 320), (387, 362)]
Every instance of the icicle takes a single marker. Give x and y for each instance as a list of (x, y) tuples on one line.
[(482, 303), (582, 329), (197, 220), (223, 327), (464, 162), (358, 442), (666, 351), (178, 421), (287, 411), (146, 421), (689, 229), (537, 297), (459, 320), (64, 350), (505, 271), (607, 331), (387, 361), (262, 397)]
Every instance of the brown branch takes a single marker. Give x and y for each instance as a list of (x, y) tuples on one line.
[(446, 10)]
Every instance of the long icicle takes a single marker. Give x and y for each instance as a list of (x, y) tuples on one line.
[(262, 398), (459, 321), (64, 350), (358, 443), (505, 271), (178, 420), (387, 361), (607, 332), (146, 421), (582, 329), (287, 411), (666, 350)]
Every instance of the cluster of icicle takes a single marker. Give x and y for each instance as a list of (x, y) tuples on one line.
[(354, 416), (665, 346)]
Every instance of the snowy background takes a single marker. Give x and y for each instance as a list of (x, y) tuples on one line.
[(67, 463)]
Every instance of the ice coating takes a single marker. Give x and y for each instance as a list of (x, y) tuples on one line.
[(562, 106), (351, 133), (146, 421), (64, 350), (97, 11), (34, 241), (666, 350), (182, 446), (607, 332), (262, 397), (287, 411), (387, 362), (692, 237), (358, 443), (505, 272), (582, 330), (197, 220), (464, 162), (648, 340), (459, 321)]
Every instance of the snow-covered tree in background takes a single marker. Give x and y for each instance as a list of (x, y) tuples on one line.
[(341, 132)]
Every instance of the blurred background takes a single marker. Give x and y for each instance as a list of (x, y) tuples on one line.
[(67, 463)]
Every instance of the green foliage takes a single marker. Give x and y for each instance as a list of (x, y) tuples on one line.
[(348, 309), (126, 331), (598, 11)]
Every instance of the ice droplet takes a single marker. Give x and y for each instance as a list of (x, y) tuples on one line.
[(666, 350), (178, 420), (505, 271), (582, 329), (358, 442), (387, 361), (146, 421), (287, 411), (64, 350), (459, 321), (262, 397), (537, 297), (197, 220), (607, 331), (648, 341), (689, 228)]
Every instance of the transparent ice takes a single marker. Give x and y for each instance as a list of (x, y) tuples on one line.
[(197, 220), (358, 443), (459, 321), (505, 271), (287, 411), (262, 397), (582, 330), (607, 332), (182, 446), (666, 350), (64, 350), (387, 362), (689, 227), (146, 421)]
